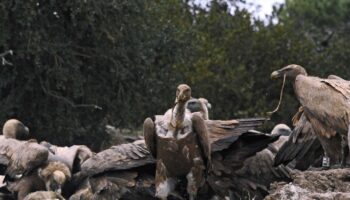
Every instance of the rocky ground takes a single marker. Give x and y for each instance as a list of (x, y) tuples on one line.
[(332, 184)]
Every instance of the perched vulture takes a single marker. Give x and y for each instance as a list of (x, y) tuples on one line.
[(15, 129), (186, 145), (326, 105), (21, 159), (181, 137)]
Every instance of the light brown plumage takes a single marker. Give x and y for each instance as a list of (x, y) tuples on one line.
[(178, 137), (25, 185), (55, 175), (112, 173), (24, 156), (15, 129), (326, 102), (47, 195), (224, 145)]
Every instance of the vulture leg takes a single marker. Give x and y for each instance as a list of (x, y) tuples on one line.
[(164, 184)]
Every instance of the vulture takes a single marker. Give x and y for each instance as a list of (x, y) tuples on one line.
[(188, 145), (181, 137), (326, 106), (15, 129), (21, 159)]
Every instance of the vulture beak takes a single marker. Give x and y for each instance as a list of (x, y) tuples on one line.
[(275, 75)]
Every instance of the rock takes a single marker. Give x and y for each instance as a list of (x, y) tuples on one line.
[(333, 184)]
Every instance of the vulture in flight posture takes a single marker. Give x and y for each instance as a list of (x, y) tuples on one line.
[(189, 145), (326, 106)]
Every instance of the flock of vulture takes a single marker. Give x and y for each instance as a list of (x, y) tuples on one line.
[(186, 155)]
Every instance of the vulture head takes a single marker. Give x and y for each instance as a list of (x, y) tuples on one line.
[(290, 71), (55, 175), (281, 129), (205, 102), (196, 105), (15, 129), (183, 93)]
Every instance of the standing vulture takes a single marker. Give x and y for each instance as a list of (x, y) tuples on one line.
[(186, 145), (181, 137), (325, 102)]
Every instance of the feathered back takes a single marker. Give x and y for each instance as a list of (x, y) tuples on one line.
[(48, 170), (26, 157)]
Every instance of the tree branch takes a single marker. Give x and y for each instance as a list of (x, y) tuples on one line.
[(48, 92)]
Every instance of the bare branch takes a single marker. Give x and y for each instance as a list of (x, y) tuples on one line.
[(50, 93), (2, 56)]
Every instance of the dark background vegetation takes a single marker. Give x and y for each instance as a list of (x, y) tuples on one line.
[(128, 56)]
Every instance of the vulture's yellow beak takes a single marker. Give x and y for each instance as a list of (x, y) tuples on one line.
[(275, 75)]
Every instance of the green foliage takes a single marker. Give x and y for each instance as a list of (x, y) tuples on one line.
[(129, 56)]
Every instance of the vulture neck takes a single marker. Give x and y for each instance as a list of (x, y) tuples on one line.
[(178, 115), (294, 79), (205, 112)]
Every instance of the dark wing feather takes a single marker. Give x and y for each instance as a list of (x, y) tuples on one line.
[(225, 163), (255, 177), (302, 146), (121, 157), (149, 133), (202, 133), (222, 133)]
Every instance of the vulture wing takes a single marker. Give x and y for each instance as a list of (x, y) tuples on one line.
[(255, 177), (225, 163), (302, 146), (121, 157), (26, 157), (327, 115), (149, 133), (222, 133), (335, 77), (202, 133)]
